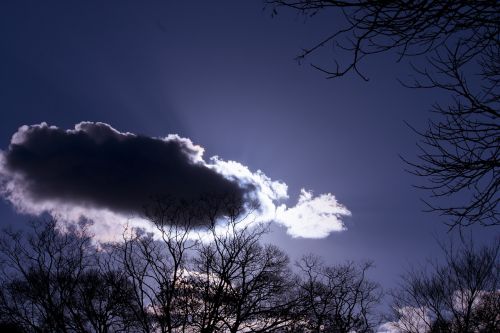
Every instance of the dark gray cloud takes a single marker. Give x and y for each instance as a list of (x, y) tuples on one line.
[(96, 166), (96, 172)]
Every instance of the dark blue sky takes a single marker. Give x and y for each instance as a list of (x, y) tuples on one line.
[(222, 74)]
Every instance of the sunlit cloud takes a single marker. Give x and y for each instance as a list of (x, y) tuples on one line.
[(97, 172), (313, 217), (411, 319)]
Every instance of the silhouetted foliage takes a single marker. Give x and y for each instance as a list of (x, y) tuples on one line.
[(156, 266), (458, 295), (10, 328), (460, 44), (336, 298), (222, 282), (239, 284), (55, 280)]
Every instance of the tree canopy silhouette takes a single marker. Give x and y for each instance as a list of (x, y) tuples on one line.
[(458, 295), (57, 278)]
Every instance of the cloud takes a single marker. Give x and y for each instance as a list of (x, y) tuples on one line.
[(97, 172), (388, 327), (313, 217), (410, 319), (96, 166)]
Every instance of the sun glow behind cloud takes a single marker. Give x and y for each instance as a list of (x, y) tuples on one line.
[(96, 172)]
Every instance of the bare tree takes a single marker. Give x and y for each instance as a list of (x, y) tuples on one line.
[(225, 282), (103, 299), (337, 298), (58, 279), (460, 44), (39, 275), (156, 266), (459, 295), (53, 279), (460, 150), (240, 284)]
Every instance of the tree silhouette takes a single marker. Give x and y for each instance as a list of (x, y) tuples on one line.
[(224, 282), (459, 295), (460, 44), (336, 298), (103, 300), (240, 284), (181, 278), (54, 280), (156, 267)]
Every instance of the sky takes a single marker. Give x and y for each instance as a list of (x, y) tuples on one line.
[(190, 80)]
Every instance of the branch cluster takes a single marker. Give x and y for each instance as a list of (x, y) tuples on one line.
[(459, 42), (55, 280)]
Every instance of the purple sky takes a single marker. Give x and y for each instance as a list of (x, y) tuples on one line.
[(222, 74)]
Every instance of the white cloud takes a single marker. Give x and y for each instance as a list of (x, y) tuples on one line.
[(312, 216), (388, 327), (411, 319)]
